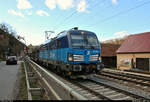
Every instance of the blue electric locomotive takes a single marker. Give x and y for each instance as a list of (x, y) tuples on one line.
[(73, 52)]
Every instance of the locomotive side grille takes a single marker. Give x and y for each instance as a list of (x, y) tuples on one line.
[(78, 57), (93, 58)]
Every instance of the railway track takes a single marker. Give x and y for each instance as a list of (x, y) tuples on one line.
[(91, 89), (136, 71), (142, 82), (97, 91)]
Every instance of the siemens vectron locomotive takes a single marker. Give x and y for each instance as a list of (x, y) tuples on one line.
[(73, 52)]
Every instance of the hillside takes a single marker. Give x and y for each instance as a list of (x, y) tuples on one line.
[(9, 45)]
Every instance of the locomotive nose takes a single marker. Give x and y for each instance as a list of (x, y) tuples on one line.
[(85, 52), (86, 56)]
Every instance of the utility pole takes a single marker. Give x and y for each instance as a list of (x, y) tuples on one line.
[(26, 45), (25, 48)]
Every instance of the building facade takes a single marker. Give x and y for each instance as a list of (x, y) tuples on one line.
[(109, 56), (135, 52)]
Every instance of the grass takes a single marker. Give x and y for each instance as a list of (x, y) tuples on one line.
[(33, 84), (23, 95), (37, 97)]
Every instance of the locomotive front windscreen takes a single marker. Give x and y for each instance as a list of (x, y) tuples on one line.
[(84, 41)]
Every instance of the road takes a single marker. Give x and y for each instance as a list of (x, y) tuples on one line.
[(8, 77)]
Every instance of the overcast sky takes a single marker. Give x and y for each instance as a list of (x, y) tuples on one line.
[(107, 18)]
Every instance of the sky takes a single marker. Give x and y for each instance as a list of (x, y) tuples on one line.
[(109, 19)]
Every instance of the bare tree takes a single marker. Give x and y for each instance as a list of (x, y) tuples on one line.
[(117, 41), (9, 44)]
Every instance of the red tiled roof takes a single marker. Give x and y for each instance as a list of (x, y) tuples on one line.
[(109, 49), (136, 43)]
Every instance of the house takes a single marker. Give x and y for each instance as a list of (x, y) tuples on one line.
[(108, 55), (135, 52)]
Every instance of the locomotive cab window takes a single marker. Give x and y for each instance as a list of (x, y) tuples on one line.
[(91, 41), (84, 41), (77, 40)]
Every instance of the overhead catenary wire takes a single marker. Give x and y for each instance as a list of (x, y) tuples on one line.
[(108, 6), (106, 19), (95, 5), (120, 13), (65, 19), (75, 12), (69, 16)]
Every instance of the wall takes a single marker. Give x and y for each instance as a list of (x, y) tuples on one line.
[(124, 61)]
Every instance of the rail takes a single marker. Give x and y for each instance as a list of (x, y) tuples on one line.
[(123, 88)]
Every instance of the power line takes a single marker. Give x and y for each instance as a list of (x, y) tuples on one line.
[(122, 12), (96, 4), (73, 13), (108, 6), (66, 19), (94, 16), (69, 16)]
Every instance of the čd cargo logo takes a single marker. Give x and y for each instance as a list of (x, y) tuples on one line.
[(88, 52)]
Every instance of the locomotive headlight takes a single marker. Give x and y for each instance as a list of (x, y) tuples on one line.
[(70, 57), (99, 58)]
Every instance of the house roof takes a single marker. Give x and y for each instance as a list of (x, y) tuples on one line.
[(136, 44), (109, 50)]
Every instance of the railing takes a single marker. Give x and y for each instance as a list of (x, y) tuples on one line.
[(55, 89)]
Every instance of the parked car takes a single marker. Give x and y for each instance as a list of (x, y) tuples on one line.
[(11, 60)]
